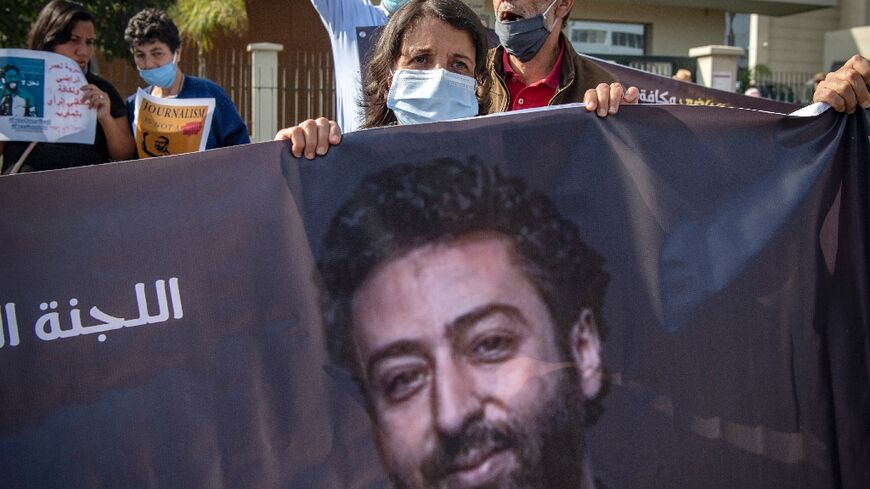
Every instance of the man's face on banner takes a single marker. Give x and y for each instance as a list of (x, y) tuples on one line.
[(11, 80), (463, 371)]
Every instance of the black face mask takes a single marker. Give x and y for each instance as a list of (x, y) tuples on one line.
[(523, 38)]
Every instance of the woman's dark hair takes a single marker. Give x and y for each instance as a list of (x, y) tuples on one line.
[(152, 24), (389, 48), (55, 24)]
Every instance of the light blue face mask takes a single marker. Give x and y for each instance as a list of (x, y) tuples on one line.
[(162, 76), (418, 96), (393, 5), (523, 38)]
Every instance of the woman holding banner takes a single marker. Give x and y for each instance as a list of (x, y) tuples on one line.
[(428, 65), (66, 28), (166, 119)]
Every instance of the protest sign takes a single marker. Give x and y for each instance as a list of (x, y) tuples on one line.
[(241, 318), (169, 126), (40, 99)]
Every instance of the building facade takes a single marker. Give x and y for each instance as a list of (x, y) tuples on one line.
[(813, 41), (785, 35)]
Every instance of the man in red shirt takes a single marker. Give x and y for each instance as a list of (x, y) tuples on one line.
[(535, 64)]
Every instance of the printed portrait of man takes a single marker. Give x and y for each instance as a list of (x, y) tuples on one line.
[(14, 99), (468, 311)]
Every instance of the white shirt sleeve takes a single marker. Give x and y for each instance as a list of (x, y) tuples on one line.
[(341, 19)]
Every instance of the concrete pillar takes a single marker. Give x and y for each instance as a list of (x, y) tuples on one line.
[(717, 66), (264, 90), (759, 40), (841, 45)]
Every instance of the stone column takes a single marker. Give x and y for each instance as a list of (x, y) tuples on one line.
[(264, 90), (717, 66)]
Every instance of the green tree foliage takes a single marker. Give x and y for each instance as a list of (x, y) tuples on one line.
[(15, 19), (16, 16), (747, 77), (200, 21)]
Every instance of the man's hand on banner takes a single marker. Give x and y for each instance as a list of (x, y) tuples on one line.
[(605, 99), (311, 138), (97, 99), (846, 89)]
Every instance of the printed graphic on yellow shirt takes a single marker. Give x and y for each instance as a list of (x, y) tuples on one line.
[(165, 126)]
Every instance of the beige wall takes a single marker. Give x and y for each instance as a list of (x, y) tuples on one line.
[(672, 30), (810, 41), (840, 45), (793, 43), (854, 13)]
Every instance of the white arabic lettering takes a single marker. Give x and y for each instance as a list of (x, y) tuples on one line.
[(48, 326), (656, 97), (11, 326)]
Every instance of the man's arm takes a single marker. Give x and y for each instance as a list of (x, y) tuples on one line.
[(346, 15), (846, 89)]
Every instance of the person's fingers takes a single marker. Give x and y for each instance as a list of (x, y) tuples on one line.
[(846, 88), (861, 65), (309, 129), (88, 96), (863, 96), (310, 138), (829, 96), (334, 133), (322, 135), (603, 92), (616, 94), (297, 140), (857, 89), (857, 72), (94, 97), (590, 98), (283, 134), (632, 96), (843, 83)]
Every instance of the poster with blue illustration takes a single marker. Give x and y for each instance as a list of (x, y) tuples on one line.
[(41, 99), (23, 89)]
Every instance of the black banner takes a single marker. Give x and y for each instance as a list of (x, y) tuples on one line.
[(654, 89), (692, 281)]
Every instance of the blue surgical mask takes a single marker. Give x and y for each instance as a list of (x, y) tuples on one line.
[(162, 76), (523, 38), (418, 96), (393, 5)]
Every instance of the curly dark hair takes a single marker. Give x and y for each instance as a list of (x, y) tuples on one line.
[(407, 206), (152, 24), (389, 47), (55, 23)]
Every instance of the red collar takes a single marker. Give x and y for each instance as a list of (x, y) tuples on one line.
[(551, 80)]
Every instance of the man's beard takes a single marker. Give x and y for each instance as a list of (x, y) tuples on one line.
[(548, 448)]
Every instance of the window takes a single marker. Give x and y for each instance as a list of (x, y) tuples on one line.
[(591, 36), (607, 37), (628, 39)]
